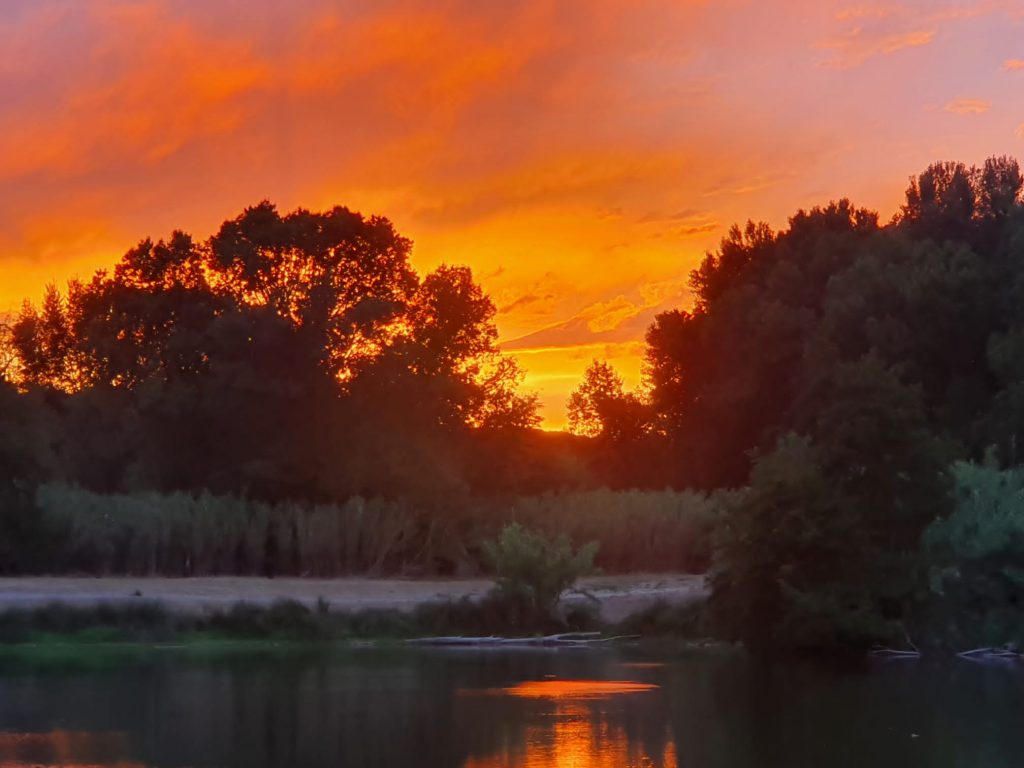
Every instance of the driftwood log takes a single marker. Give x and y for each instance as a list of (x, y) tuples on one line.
[(980, 654), (565, 639)]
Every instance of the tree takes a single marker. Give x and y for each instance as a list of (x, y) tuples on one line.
[(275, 358), (9, 365), (820, 550), (26, 458), (975, 556), (45, 345), (940, 202), (998, 185), (601, 407)]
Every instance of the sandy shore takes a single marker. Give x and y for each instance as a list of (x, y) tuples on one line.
[(619, 596)]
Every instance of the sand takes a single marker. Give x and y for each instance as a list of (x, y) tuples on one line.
[(619, 596)]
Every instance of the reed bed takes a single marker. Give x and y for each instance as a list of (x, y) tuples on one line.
[(180, 534)]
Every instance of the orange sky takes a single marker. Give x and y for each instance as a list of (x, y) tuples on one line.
[(580, 155)]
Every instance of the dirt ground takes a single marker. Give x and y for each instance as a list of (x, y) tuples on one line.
[(619, 596)]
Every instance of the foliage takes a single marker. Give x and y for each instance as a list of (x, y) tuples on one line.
[(819, 550), (532, 571), (183, 534), (600, 406), (635, 530), (786, 572), (207, 534), (976, 561), (290, 396), (665, 619), (139, 620), (240, 364)]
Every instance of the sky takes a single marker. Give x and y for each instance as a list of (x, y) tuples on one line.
[(580, 155)]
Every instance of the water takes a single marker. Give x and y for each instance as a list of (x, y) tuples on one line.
[(483, 709)]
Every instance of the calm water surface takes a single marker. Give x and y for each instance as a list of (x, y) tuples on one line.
[(484, 709)]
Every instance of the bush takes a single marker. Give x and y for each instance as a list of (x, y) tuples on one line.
[(976, 561), (532, 571), (636, 530), (663, 619)]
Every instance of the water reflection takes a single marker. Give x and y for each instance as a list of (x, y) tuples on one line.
[(66, 749), (573, 731), (385, 708), (576, 689)]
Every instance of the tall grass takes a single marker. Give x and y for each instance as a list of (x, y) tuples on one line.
[(635, 530), (204, 534), (183, 534)]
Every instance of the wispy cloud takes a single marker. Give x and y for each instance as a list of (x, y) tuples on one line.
[(609, 315), (524, 301), (617, 319), (855, 12), (692, 230), (968, 106), (859, 44), (752, 183), (869, 31), (576, 154), (661, 216)]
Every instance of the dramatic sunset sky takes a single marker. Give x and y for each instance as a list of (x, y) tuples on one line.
[(579, 155)]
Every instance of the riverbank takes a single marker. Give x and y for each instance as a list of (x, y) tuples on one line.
[(618, 596)]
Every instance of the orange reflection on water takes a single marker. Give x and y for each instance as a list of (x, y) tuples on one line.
[(576, 734), (67, 749), (576, 689)]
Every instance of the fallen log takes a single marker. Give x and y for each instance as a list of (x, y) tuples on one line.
[(988, 652), (892, 653), (563, 639)]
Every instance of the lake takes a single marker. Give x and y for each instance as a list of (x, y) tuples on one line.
[(565, 708)]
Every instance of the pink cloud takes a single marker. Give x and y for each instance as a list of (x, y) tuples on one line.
[(859, 45), (968, 106)]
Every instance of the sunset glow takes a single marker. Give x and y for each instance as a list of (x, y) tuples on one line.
[(576, 689), (579, 156), (576, 733), (576, 739)]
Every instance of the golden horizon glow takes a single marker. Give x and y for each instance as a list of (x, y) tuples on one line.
[(581, 157)]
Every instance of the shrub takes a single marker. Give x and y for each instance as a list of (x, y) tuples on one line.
[(976, 561), (636, 530), (532, 571)]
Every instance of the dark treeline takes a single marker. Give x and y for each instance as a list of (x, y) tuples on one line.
[(156, 417), (287, 356), (845, 374), (858, 385)]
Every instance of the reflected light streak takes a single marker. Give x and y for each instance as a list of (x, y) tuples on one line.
[(67, 749), (575, 734), (576, 689)]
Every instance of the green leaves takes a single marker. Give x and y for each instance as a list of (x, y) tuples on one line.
[(532, 571)]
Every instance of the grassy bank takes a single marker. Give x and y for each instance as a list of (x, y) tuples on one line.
[(285, 621), (291, 622)]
